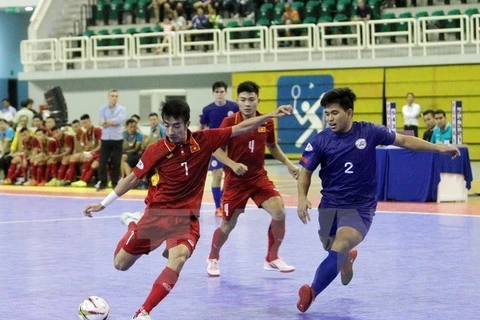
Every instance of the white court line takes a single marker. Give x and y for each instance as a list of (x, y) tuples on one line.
[(253, 206)]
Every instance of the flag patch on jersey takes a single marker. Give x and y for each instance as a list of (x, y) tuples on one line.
[(262, 129), (194, 148)]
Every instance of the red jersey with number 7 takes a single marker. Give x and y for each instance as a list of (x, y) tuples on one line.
[(177, 172), (248, 149)]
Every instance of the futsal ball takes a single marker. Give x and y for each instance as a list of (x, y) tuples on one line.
[(93, 308)]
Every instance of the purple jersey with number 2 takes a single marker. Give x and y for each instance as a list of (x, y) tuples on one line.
[(347, 164)]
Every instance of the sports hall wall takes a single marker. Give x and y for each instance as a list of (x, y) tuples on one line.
[(434, 87)]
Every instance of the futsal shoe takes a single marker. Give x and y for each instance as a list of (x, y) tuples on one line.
[(306, 296), (278, 265), (219, 212), (79, 184), (213, 267), (141, 315), (128, 217), (346, 274)]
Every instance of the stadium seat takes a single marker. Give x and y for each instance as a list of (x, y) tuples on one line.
[(421, 14), (100, 12), (141, 11), (129, 7), (266, 11), (325, 17), (312, 9), (278, 11), (310, 20), (263, 22), (299, 6), (470, 12), (327, 7), (439, 23), (116, 8), (89, 33), (116, 42), (248, 23), (344, 7), (453, 23), (103, 42), (402, 26), (158, 28), (387, 27)]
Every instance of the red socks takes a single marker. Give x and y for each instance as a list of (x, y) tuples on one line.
[(161, 288), (218, 240), (276, 233)]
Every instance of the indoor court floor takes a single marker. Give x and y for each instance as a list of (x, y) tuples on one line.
[(419, 261)]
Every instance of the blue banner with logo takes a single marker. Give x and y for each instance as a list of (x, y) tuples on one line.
[(304, 94)]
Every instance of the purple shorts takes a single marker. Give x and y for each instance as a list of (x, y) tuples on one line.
[(330, 219), (215, 164)]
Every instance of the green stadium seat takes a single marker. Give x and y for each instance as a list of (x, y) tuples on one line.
[(263, 22), (100, 12), (470, 12), (325, 17), (131, 31), (116, 8), (158, 28), (116, 42), (278, 11), (344, 6), (312, 9), (141, 11), (439, 23), (327, 6), (89, 33), (403, 26), (421, 14), (266, 11), (146, 40), (103, 42), (453, 23), (310, 20), (248, 23)]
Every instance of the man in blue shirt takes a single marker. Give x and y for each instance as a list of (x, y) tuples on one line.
[(112, 116), (212, 117), (442, 133), (346, 154)]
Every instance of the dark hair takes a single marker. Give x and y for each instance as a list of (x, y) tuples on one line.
[(440, 111), (41, 130), (38, 117), (26, 102), (248, 86), (177, 109), (153, 114), (23, 130), (75, 121), (130, 121), (85, 117), (219, 84), (344, 97), (136, 116), (411, 94), (6, 99), (51, 117), (429, 111), (54, 128), (3, 120)]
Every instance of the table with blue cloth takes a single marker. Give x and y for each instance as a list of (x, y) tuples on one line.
[(405, 175)]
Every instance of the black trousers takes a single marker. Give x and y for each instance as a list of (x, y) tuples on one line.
[(413, 128), (5, 164), (110, 151)]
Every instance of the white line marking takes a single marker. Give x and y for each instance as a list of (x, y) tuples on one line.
[(55, 220)]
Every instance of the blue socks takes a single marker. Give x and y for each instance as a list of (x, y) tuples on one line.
[(328, 270), (217, 196)]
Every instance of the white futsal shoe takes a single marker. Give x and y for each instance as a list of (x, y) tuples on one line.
[(128, 217), (213, 267), (278, 265), (143, 315)]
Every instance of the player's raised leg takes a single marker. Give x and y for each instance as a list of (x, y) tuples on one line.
[(276, 232), (346, 239)]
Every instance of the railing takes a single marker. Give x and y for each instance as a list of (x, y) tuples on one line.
[(457, 25), (388, 28), (332, 31), (475, 30), (208, 46)]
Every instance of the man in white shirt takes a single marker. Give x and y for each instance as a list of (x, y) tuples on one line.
[(8, 112), (411, 113)]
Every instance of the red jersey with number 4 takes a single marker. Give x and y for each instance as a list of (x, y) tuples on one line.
[(248, 149), (178, 172)]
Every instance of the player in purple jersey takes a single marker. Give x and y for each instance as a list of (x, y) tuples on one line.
[(212, 117), (346, 154)]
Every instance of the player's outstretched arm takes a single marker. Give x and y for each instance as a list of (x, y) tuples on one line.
[(123, 186), (238, 168), (413, 143), (255, 122), (278, 154), (304, 181)]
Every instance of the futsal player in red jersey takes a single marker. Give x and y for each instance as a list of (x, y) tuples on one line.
[(246, 177), (177, 167)]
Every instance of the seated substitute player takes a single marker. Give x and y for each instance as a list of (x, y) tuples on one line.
[(177, 166), (346, 154), (246, 177), (211, 117)]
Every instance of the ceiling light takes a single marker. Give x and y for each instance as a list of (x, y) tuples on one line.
[(28, 8)]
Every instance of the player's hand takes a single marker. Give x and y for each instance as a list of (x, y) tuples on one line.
[(451, 151), (93, 208), (294, 171), (282, 111), (239, 168), (302, 210)]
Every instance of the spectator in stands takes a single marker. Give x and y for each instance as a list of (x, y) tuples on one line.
[(363, 13), (429, 119), (157, 6), (411, 112), (6, 137), (290, 16), (27, 111), (230, 8), (442, 133), (132, 142), (200, 22), (8, 112), (179, 21), (214, 20)]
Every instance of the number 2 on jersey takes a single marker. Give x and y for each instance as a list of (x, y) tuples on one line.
[(349, 167), (184, 164)]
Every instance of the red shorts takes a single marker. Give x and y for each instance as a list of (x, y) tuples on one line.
[(96, 155), (152, 230), (235, 196)]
